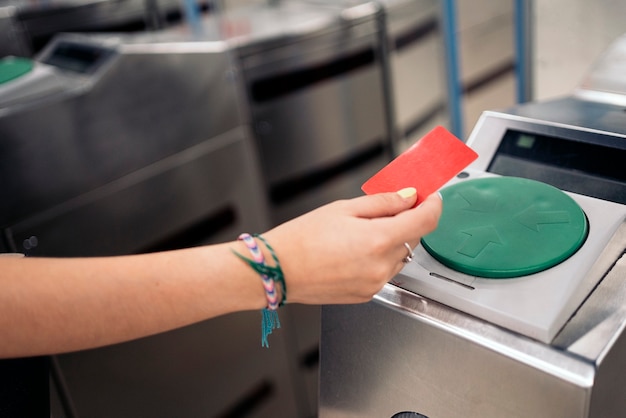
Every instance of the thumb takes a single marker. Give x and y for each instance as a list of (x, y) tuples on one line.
[(384, 204)]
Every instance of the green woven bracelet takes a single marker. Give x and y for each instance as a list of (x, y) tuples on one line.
[(273, 272), (280, 277)]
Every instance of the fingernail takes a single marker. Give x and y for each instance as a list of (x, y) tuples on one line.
[(440, 196), (407, 192)]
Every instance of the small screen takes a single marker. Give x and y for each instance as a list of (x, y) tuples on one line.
[(84, 59), (574, 166)]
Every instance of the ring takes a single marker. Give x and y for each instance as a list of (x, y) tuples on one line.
[(410, 255)]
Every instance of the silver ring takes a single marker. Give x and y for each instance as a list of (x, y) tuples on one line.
[(409, 256)]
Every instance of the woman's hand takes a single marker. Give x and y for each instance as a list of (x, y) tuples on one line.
[(346, 251)]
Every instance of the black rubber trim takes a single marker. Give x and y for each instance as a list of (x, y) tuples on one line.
[(272, 87)]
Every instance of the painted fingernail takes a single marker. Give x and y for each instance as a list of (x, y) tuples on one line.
[(407, 192)]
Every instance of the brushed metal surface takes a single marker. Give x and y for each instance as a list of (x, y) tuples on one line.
[(30, 25), (405, 352), (324, 119), (138, 109)]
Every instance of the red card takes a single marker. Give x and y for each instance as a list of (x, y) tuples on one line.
[(429, 164)]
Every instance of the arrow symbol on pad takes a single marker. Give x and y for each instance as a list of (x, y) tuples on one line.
[(478, 239), (532, 218)]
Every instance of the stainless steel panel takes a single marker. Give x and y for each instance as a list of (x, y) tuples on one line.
[(321, 120), (485, 37), (36, 23), (589, 332), (156, 203), (607, 398), (403, 352), (304, 329), (316, 97), (486, 57), (12, 37), (407, 353), (414, 34), (214, 368), (292, 144), (100, 125)]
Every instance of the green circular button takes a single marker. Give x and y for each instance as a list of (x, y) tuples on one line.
[(502, 227), (14, 67)]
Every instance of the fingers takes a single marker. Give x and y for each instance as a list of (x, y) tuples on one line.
[(384, 204), (428, 214), (409, 226), (430, 209)]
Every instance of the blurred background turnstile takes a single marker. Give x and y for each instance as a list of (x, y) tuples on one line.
[(316, 98), (27, 26), (414, 43)]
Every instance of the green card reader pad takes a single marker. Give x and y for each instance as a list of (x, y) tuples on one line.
[(503, 227), (12, 68)]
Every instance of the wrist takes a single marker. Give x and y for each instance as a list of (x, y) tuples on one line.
[(262, 259)]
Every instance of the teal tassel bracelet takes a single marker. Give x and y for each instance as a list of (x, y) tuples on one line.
[(280, 277), (269, 320)]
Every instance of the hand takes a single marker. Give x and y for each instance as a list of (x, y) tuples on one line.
[(345, 252)]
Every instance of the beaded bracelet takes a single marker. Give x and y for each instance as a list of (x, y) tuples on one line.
[(268, 274)]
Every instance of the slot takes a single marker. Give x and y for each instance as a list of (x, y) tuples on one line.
[(439, 276), (273, 87)]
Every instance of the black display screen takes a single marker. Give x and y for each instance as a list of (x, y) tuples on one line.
[(84, 59), (575, 166)]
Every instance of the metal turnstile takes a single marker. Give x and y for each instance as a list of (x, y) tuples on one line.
[(444, 340), (26, 27), (416, 61), (316, 96)]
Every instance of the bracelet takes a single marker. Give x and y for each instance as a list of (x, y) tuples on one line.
[(275, 273), (269, 276), (268, 284), (280, 277)]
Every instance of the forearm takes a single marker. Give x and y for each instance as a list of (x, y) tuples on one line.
[(60, 305), (343, 252)]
